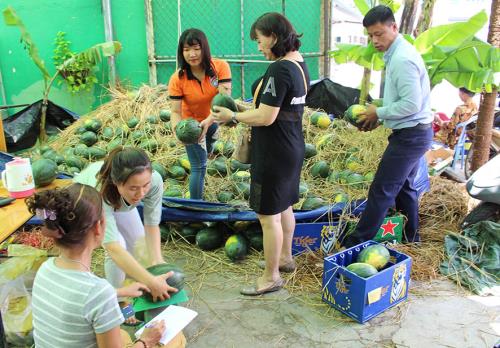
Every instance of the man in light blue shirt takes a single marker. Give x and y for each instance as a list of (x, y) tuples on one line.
[(406, 110)]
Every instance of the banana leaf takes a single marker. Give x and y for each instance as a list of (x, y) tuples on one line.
[(474, 65), (95, 53), (365, 6), (12, 19), (450, 35), (366, 56)]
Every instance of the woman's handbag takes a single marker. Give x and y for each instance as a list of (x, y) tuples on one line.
[(243, 146)]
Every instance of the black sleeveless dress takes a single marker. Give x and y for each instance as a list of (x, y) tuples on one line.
[(277, 151)]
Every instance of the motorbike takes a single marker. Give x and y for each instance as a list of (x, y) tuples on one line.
[(484, 185)]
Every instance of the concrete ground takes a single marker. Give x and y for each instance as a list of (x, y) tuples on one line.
[(443, 318), (437, 314)]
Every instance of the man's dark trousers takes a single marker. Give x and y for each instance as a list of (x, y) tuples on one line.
[(393, 184)]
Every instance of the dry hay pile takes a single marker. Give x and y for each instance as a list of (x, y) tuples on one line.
[(442, 209), (342, 147)]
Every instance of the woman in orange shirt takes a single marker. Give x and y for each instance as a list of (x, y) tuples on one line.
[(191, 90)]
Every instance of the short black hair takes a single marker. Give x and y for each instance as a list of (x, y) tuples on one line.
[(466, 91), (191, 37), (277, 24), (379, 14)]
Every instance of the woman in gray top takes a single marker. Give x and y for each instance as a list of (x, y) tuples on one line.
[(71, 306), (125, 179)]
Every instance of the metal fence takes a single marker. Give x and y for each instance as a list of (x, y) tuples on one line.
[(227, 26)]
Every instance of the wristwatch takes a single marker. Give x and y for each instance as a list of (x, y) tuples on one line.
[(233, 118)]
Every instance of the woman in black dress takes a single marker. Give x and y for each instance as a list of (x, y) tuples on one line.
[(277, 151)]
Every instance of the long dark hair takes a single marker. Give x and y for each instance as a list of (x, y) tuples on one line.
[(193, 37), (119, 166), (67, 213), (277, 24)]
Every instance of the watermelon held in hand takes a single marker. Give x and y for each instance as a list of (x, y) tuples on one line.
[(188, 131), (352, 114), (236, 247), (364, 270), (176, 280), (376, 255), (224, 100)]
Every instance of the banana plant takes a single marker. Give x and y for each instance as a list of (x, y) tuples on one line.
[(450, 52), (366, 56), (93, 54)]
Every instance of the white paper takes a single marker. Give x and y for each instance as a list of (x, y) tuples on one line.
[(176, 318)]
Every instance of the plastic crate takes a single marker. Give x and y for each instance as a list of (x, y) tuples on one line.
[(364, 298)]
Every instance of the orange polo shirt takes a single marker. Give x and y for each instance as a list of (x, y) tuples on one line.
[(196, 96)]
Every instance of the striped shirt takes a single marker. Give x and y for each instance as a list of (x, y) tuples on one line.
[(70, 307)]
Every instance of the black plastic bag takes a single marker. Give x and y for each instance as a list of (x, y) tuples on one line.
[(332, 97), (22, 128)]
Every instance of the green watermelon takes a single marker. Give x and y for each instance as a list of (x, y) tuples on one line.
[(334, 177), (74, 161), (316, 116), (96, 153), (88, 138), (312, 203), (376, 255), (157, 166), (44, 171), (352, 114), (165, 115), (217, 167), (356, 180), (45, 148), (310, 151), (235, 165), (225, 196), (107, 133), (176, 172), (176, 280), (132, 122), (353, 163), (320, 169), (303, 189), (114, 144), (363, 270), (369, 176), (340, 197), (209, 238), (224, 100), (183, 161), (175, 191), (81, 150), (80, 130), (188, 233), (257, 242), (242, 189), (150, 145), (323, 121), (241, 176), (165, 232), (152, 119), (92, 125), (188, 131), (236, 247)]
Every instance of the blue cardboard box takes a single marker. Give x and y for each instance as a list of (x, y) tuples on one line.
[(364, 298), (324, 235), (307, 236)]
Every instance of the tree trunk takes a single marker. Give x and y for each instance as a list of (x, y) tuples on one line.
[(408, 16), (425, 19), (365, 86), (482, 138)]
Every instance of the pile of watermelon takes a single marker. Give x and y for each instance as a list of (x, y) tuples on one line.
[(238, 238), (370, 261)]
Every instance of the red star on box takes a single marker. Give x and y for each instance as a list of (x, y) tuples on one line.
[(389, 227)]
